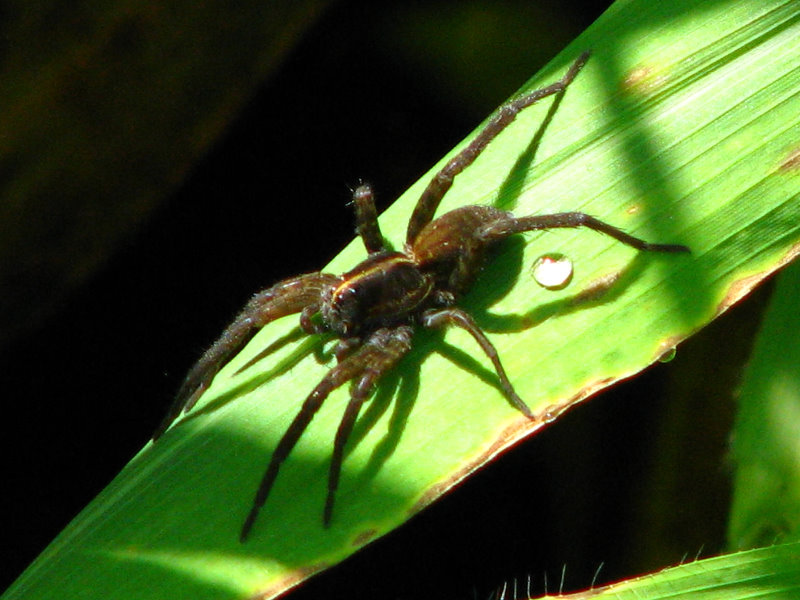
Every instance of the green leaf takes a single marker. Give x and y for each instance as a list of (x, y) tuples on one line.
[(683, 128), (770, 573), (766, 500)]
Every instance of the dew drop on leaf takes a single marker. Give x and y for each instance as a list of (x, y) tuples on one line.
[(668, 355), (552, 271)]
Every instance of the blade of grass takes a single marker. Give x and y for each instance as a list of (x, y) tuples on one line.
[(681, 129), (770, 573), (766, 500)]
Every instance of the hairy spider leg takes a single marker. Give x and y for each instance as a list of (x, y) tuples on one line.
[(507, 224), (284, 298), (367, 219), (443, 180), (459, 318), (381, 351), (388, 346)]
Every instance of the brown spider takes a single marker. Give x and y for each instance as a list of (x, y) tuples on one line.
[(374, 308)]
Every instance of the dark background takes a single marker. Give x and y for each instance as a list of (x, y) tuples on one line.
[(362, 98)]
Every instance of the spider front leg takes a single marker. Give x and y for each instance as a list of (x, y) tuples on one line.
[(379, 353), (502, 118), (284, 298)]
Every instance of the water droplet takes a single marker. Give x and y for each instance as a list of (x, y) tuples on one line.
[(549, 415), (668, 355), (552, 271)]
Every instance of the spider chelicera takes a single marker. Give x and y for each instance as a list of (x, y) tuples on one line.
[(374, 308)]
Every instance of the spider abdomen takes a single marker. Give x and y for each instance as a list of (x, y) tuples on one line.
[(382, 290)]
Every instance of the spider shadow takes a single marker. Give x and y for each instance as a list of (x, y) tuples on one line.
[(508, 260), (508, 192), (402, 385), (305, 345)]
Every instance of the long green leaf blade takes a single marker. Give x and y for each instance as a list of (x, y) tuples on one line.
[(767, 573), (766, 499)]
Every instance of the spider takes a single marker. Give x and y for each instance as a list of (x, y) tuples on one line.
[(374, 308)]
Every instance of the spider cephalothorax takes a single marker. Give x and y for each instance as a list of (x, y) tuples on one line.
[(374, 308)]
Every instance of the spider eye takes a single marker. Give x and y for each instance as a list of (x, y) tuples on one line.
[(340, 308)]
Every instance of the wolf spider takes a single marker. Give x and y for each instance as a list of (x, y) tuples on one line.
[(374, 308)]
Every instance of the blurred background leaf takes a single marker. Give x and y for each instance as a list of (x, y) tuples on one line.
[(105, 109), (766, 439)]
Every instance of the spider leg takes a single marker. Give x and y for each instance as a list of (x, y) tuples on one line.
[(284, 298), (379, 353), (443, 180), (345, 347), (459, 318), (507, 224), (382, 352), (358, 396), (367, 219)]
